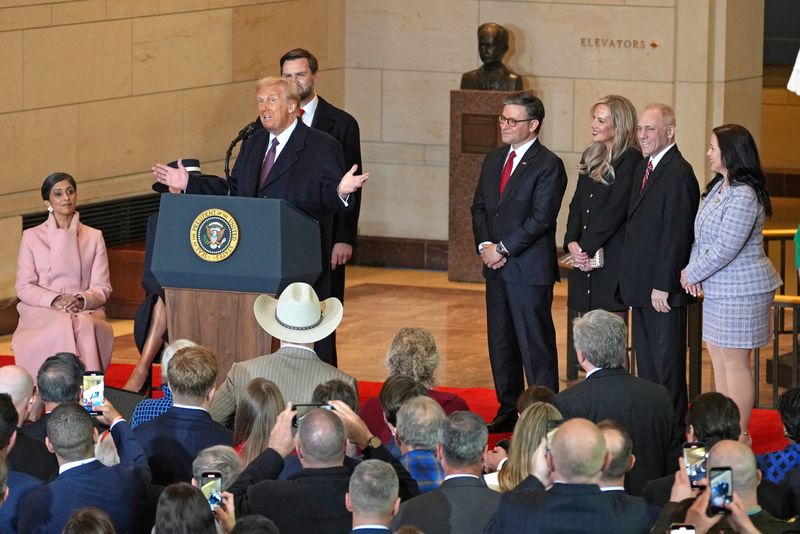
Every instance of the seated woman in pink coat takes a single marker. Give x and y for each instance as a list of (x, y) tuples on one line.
[(62, 285)]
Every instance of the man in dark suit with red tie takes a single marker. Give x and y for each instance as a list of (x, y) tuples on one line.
[(658, 239), (287, 160), (514, 221), (300, 66)]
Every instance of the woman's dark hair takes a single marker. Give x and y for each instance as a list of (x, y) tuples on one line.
[(53, 179), (789, 408), (89, 520), (739, 155), (714, 417), (182, 509)]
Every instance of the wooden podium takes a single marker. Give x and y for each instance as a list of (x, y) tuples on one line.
[(215, 255)]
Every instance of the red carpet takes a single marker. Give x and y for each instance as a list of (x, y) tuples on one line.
[(765, 425)]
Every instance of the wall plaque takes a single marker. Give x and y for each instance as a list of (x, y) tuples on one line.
[(480, 133)]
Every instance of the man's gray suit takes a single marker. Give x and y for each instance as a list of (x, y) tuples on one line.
[(296, 371)]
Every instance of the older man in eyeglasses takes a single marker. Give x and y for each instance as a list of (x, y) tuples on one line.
[(514, 222)]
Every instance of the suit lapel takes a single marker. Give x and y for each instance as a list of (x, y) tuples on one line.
[(255, 160), (655, 174), (322, 119), (519, 172), (289, 154)]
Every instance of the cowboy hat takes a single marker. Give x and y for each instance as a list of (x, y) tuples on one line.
[(298, 316)]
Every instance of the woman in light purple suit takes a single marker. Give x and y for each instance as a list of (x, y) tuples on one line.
[(62, 285), (729, 267)]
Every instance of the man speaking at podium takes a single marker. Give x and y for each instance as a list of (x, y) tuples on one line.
[(286, 160)]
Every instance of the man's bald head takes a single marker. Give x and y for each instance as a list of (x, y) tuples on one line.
[(321, 439), (18, 383), (740, 458), (578, 452)]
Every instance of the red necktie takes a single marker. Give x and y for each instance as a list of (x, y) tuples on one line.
[(300, 112), (646, 174), (269, 160), (506, 175)]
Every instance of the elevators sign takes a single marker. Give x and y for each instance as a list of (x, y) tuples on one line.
[(479, 133)]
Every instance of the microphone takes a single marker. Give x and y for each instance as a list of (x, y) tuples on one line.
[(243, 135)]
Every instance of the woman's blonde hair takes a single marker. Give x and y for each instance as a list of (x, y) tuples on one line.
[(528, 433), (596, 160), (413, 353), (256, 414)]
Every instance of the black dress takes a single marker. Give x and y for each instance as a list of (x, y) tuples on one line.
[(153, 290), (597, 215)]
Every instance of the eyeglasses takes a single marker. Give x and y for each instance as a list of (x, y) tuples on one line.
[(511, 122)]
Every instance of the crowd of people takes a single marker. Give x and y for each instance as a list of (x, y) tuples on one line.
[(285, 445)]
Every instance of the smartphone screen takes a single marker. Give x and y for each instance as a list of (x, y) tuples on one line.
[(721, 487), (211, 486), (93, 391), (552, 428), (682, 528), (694, 456)]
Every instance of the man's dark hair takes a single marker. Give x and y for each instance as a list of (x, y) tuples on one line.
[(8, 419), (89, 520), (618, 465), (534, 394), (463, 438), (59, 378), (534, 108), (789, 408), (395, 392), (714, 417), (69, 428), (300, 53), (255, 524), (335, 390)]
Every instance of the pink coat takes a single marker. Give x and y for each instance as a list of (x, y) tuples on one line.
[(52, 262)]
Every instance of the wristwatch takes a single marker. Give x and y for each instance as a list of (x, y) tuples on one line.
[(373, 443), (501, 249)]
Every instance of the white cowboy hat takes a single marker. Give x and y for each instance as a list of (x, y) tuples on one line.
[(298, 316)]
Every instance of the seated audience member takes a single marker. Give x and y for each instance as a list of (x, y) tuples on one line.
[(372, 497), (20, 483), (62, 285), (531, 427), (219, 458), (413, 353), (28, 455), (336, 390), (174, 438), (182, 509), (319, 489), (298, 319), (713, 417), (746, 515), (83, 481), (610, 392), (256, 413), (89, 520), (775, 465), (59, 380), (396, 391), (574, 502), (534, 394), (255, 524), (463, 504), (419, 422), (151, 408)]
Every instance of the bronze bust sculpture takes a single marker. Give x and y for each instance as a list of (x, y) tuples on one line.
[(493, 75)]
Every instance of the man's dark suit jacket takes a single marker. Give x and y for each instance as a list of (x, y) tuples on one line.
[(19, 485), (31, 457), (659, 231), (309, 501), (524, 218), (642, 407), (119, 490), (173, 440), (566, 508), (38, 429), (772, 497), (462, 504), (306, 174)]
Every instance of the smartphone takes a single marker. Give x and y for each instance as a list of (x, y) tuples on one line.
[(93, 391), (297, 418), (552, 428), (720, 483), (694, 456), (681, 528), (211, 486)]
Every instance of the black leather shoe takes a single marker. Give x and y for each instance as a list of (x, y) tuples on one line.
[(502, 423)]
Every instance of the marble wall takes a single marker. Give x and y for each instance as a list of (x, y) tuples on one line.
[(104, 88)]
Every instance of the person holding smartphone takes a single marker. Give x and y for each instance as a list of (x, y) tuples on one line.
[(715, 509)]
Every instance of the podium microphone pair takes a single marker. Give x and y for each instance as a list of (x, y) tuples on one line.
[(243, 134)]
